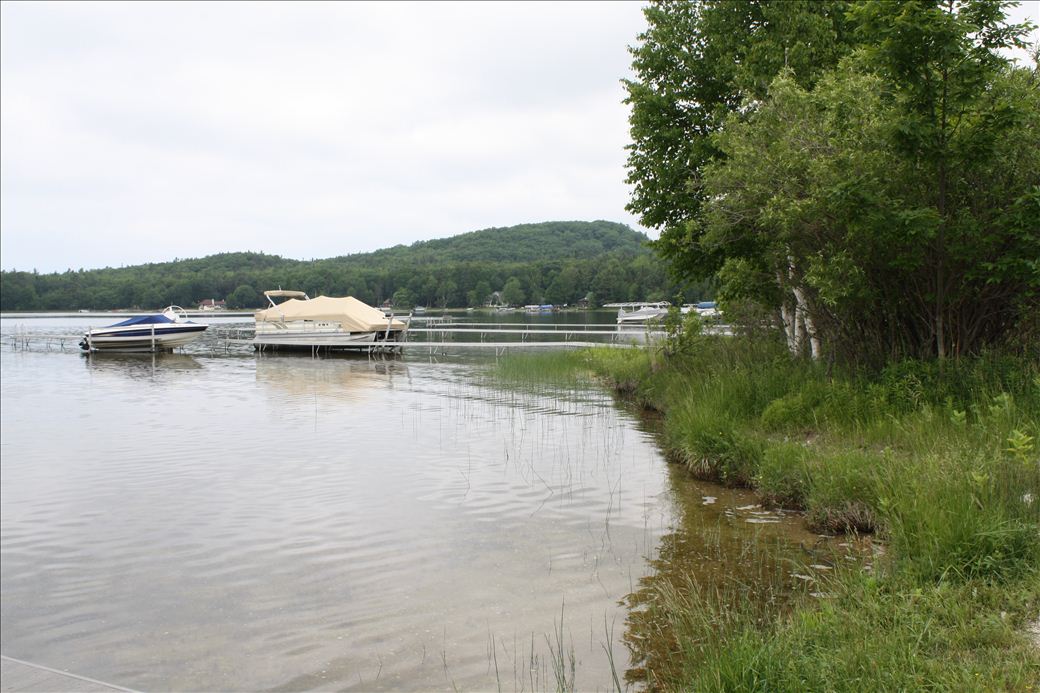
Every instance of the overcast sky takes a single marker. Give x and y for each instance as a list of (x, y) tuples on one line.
[(141, 132), (138, 132)]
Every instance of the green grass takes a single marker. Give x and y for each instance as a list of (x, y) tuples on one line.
[(558, 367), (941, 461), (868, 635)]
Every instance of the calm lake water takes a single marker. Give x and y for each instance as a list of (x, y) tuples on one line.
[(211, 521)]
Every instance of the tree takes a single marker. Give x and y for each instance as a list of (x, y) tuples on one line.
[(403, 298), (696, 63), (244, 296), (610, 283), (565, 287), (884, 202), (17, 291), (534, 253), (838, 204), (513, 292), (446, 293), (942, 61), (483, 293)]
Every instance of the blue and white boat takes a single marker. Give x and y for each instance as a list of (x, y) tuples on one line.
[(642, 313), (705, 309), (157, 332)]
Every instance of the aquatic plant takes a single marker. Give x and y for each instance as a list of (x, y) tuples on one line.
[(939, 460)]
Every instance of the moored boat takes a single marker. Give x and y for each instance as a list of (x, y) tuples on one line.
[(156, 332), (705, 309), (323, 323), (641, 313)]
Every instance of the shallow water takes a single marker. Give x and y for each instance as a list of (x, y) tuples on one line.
[(201, 521)]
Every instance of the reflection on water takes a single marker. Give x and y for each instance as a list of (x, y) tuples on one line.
[(236, 522), (296, 375), (241, 523), (727, 552), (722, 543), (133, 365)]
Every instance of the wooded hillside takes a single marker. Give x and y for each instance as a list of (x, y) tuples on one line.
[(551, 262)]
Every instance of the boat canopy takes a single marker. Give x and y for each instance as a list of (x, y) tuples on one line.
[(352, 314), (144, 320), (281, 293)]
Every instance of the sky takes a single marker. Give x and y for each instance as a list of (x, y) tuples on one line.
[(140, 132), (144, 132)]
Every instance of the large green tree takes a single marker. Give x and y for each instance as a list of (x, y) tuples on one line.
[(881, 217), (881, 195), (696, 63), (513, 292), (956, 110)]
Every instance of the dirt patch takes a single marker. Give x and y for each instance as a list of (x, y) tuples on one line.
[(1033, 631)]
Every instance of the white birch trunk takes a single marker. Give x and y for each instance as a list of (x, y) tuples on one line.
[(787, 318), (803, 313)]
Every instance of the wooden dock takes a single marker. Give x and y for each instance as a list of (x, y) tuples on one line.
[(25, 677)]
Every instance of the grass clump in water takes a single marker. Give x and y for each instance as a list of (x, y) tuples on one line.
[(941, 461), (558, 367)]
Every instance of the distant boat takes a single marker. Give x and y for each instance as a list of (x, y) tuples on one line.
[(705, 309), (641, 313), (322, 323), (157, 332)]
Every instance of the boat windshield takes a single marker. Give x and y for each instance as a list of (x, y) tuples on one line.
[(144, 320)]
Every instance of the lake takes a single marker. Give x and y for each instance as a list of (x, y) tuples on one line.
[(210, 520)]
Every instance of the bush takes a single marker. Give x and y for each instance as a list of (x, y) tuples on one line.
[(783, 477), (712, 446), (964, 517), (843, 493), (799, 409)]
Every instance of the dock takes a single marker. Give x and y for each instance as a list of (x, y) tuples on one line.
[(439, 339), (20, 676)]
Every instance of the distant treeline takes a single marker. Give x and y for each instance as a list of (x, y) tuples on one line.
[(551, 262)]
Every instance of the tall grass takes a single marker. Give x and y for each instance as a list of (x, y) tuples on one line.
[(941, 460)]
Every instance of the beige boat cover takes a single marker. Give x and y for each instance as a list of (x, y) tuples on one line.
[(352, 314)]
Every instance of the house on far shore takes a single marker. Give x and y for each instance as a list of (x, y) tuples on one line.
[(213, 304)]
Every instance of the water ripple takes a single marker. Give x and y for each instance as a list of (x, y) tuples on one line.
[(198, 522)]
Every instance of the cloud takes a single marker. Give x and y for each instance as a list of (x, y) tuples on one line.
[(140, 132)]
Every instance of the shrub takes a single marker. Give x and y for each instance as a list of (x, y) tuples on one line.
[(843, 493), (712, 446), (964, 516), (783, 476)]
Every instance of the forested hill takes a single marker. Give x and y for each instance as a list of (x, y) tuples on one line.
[(552, 262), (551, 240)]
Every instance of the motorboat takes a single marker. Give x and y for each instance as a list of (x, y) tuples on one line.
[(323, 323), (705, 309), (156, 332), (640, 313)]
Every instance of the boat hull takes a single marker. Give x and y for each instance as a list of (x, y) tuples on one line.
[(162, 338), (641, 317), (322, 341)]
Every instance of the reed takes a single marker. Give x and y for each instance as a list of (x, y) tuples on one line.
[(941, 461)]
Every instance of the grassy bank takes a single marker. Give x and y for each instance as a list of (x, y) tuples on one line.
[(939, 461)]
